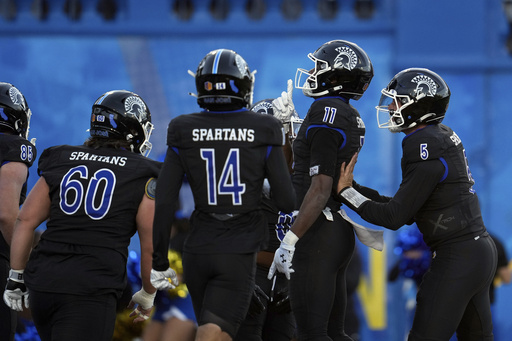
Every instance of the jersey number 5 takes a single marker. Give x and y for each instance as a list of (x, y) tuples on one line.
[(229, 181)]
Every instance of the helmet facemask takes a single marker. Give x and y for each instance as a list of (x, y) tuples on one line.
[(146, 146), (139, 138), (311, 82), (389, 110)]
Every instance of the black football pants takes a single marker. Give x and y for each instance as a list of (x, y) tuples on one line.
[(8, 316), (64, 317), (454, 293), (318, 286)]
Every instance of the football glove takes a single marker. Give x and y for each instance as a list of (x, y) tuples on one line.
[(164, 280), (281, 302), (258, 304), (284, 109), (283, 256), (15, 291)]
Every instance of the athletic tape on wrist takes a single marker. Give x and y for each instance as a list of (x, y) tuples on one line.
[(353, 197)]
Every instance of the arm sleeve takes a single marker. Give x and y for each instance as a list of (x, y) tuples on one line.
[(420, 180), (280, 181), (370, 193), (166, 201)]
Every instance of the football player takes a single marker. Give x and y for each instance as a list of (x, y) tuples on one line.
[(320, 241), (94, 198), (437, 193), (225, 151), (269, 316), (16, 156)]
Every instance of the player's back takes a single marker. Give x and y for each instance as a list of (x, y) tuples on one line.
[(95, 194), (224, 156)]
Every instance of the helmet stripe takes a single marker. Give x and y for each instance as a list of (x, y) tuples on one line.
[(216, 61), (102, 98)]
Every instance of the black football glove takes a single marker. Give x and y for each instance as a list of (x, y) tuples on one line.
[(281, 301), (258, 302)]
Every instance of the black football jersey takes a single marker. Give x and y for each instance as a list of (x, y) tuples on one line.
[(436, 190), (223, 155), (14, 148), (95, 195), (331, 133), (452, 209)]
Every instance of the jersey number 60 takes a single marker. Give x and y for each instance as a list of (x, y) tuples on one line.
[(97, 201)]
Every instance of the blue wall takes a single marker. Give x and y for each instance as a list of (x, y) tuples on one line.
[(63, 66)]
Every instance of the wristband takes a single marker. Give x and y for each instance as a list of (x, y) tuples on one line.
[(16, 275), (290, 238), (353, 197)]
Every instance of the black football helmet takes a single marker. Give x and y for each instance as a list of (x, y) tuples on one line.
[(14, 111), (413, 96), (223, 80), (121, 114), (291, 127), (341, 68)]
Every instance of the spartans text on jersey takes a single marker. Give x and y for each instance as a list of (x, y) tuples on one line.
[(223, 134), (113, 160)]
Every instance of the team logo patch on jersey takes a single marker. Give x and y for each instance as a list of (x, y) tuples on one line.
[(16, 97), (346, 58), (136, 107), (425, 86)]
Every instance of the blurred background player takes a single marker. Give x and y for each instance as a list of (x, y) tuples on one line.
[(94, 197), (270, 317), (16, 156), (225, 151)]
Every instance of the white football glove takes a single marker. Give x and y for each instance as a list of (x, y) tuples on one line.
[(15, 291), (164, 280), (283, 256), (284, 108)]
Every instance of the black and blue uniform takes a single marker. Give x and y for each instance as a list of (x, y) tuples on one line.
[(437, 193), (331, 133), (77, 271), (225, 157), (13, 148)]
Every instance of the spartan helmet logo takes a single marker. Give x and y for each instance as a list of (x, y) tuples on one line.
[(241, 65), (346, 58), (17, 97), (135, 106), (425, 86)]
